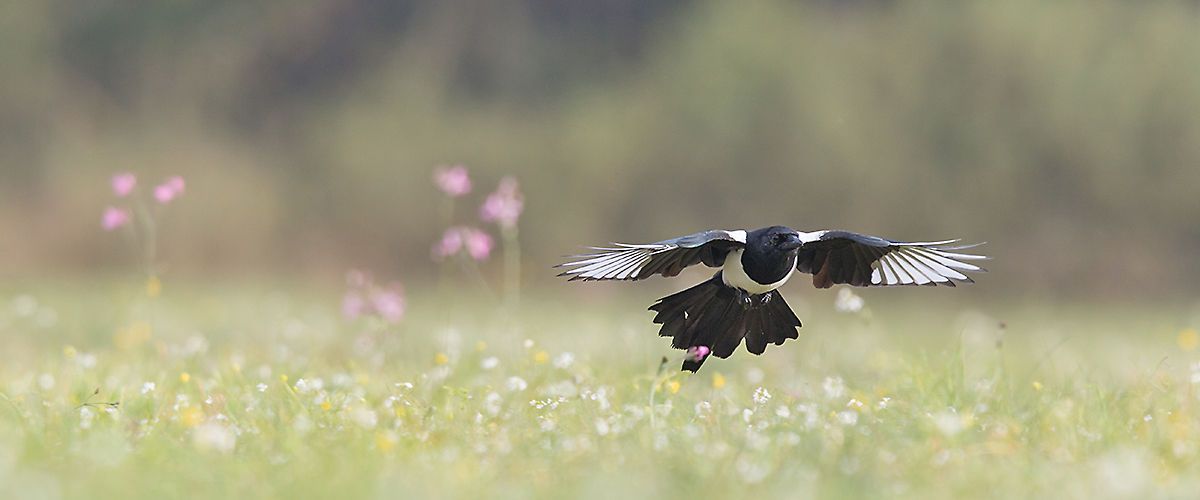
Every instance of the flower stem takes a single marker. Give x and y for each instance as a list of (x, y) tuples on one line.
[(512, 265)]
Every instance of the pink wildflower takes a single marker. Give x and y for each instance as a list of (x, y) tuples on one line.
[(169, 189), (454, 181), (114, 218), (353, 305), (475, 242), (698, 353), (450, 244), (364, 298), (123, 184), (389, 303), (176, 183), (505, 205), (479, 244)]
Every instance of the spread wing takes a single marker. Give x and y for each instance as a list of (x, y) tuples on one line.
[(843, 257), (668, 257)]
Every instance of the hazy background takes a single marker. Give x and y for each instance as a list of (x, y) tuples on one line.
[(1067, 134)]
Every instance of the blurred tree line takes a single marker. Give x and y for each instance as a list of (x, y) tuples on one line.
[(1067, 134)]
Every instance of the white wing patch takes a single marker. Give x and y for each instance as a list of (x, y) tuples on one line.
[(922, 264), (810, 237), (618, 263), (622, 261)]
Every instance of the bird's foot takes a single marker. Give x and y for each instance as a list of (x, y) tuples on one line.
[(745, 298)]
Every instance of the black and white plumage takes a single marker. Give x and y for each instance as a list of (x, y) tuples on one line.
[(741, 301)]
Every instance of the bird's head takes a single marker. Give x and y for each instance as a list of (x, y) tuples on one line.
[(780, 238)]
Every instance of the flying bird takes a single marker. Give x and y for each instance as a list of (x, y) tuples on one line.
[(742, 300)]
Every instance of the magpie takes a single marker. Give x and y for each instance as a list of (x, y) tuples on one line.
[(742, 301)]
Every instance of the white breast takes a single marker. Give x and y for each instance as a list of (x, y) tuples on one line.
[(734, 275)]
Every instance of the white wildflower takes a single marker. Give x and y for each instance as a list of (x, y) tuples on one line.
[(46, 381), (491, 403), (364, 417), (948, 423), (489, 363), (261, 387), (600, 396), (86, 360), (564, 389), (195, 344), (834, 387), (516, 384), (213, 436), (86, 414), (848, 301), (847, 417), (751, 471), (661, 442), (302, 424), (148, 387), (342, 380), (761, 396), (757, 441), (564, 360), (811, 416)]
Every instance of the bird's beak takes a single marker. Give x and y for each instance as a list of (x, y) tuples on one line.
[(792, 243)]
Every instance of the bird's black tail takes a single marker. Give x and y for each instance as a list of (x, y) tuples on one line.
[(717, 316)]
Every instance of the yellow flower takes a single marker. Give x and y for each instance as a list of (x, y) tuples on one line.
[(441, 358), (153, 287), (1188, 339), (480, 346), (385, 441), (283, 378), (541, 357), (1037, 386), (673, 386), (718, 381), (184, 377), (326, 405), (191, 416), (69, 352)]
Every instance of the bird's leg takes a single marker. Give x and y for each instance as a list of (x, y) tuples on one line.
[(744, 297)]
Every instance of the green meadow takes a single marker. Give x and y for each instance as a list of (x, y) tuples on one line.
[(260, 392)]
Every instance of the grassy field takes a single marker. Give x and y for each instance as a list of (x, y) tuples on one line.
[(256, 393)]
